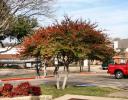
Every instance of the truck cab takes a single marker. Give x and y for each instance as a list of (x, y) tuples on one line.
[(119, 70), (106, 63)]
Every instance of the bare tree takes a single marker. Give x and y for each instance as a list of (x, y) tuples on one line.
[(24, 7), (31, 8)]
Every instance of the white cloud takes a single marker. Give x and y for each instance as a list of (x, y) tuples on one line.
[(112, 18), (111, 15)]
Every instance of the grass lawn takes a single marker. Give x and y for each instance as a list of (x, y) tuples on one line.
[(90, 91)]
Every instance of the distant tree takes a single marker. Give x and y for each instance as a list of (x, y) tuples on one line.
[(9, 9), (23, 26), (4, 12)]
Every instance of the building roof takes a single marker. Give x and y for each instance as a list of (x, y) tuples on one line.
[(14, 50), (9, 56), (123, 43)]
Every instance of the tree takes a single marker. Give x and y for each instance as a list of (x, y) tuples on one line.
[(100, 47), (83, 40), (4, 11), (38, 45), (29, 8), (9, 9), (23, 26), (68, 40)]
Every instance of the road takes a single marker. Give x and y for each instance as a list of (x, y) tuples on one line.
[(97, 77)]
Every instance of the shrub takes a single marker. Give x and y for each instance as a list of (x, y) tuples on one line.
[(23, 89), (1, 88), (35, 90), (6, 90), (7, 87)]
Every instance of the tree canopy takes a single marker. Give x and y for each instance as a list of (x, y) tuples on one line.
[(30, 8), (69, 38), (23, 26)]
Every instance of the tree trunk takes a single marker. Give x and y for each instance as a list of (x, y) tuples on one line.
[(1, 43), (81, 65), (61, 75), (65, 80), (37, 66), (67, 66), (45, 67), (56, 69), (58, 80), (89, 66), (65, 76), (45, 71)]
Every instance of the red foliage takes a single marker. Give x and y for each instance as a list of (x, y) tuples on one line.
[(7, 94), (23, 89), (35, 90), (7, 87), (72, 34), (6, 90)]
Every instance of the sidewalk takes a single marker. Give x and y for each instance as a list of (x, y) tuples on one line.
[(79, 97)]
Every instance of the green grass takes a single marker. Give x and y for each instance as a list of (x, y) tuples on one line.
[(90, 91)]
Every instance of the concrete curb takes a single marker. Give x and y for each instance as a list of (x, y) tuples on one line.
[(41, 97), (78, 97)]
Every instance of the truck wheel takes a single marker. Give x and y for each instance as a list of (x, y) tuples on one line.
[(119, 74)]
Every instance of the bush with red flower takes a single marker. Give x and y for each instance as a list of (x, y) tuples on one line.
[(23, 89)]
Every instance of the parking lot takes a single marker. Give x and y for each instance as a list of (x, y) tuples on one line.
[(97, 77)]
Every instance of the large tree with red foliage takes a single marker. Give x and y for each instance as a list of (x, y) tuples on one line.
[(67, 40)]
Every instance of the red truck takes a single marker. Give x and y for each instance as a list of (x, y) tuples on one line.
[(119, 70)]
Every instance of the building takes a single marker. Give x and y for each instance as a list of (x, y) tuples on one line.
[(120, 44), (12, 58), (121, 47)]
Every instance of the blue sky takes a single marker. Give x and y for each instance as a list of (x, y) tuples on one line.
[(111, 15)]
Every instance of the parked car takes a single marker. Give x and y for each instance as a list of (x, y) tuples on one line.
[(106, 63), (119, 70)]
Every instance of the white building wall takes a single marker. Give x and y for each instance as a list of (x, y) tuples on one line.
[(115, 45), (12, 51), (85, 62), (126, 49)]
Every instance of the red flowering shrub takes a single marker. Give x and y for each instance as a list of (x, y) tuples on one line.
[(6, 90), (1, 88), (7, 94), (35, 90), (7, 87), (23, 89)]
